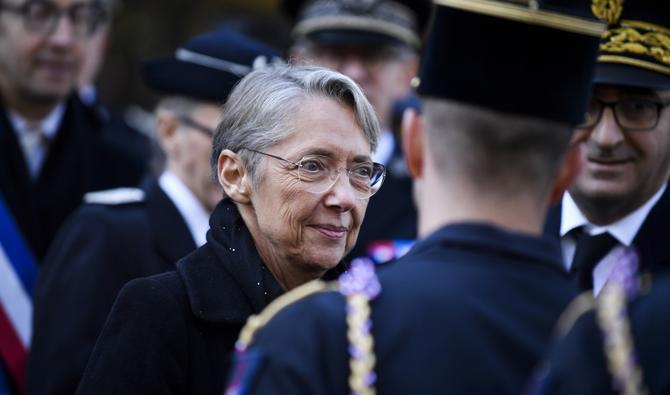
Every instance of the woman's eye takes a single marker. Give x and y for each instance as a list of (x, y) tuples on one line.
[(363, 171), (311, 165)]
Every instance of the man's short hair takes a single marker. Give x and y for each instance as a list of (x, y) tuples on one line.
[(499, 153)]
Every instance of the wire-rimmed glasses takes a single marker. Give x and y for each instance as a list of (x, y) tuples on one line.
[(318, 173)]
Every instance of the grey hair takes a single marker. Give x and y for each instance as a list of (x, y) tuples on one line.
[(260, 108)]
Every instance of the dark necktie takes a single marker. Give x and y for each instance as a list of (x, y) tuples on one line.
[(589, 251)]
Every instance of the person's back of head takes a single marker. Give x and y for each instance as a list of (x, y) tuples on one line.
[(498, 121)]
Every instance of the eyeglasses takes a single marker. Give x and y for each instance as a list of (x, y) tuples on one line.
[(317, 174), (630, 114), (42, 17), (192, 123)]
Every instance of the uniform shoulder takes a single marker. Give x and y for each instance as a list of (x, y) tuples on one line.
[(115, 197)]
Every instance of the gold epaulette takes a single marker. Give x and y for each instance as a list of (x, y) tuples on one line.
[(258, 321)]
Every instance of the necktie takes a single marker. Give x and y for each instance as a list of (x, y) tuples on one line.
[(589, 251), (34, 143)]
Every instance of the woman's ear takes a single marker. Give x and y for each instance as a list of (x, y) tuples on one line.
[(233, 177), (412, 142)]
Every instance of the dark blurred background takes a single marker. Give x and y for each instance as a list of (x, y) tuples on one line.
[(144, 29)]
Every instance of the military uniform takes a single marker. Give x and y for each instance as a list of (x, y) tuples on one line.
[(469, 310), (126, 235)]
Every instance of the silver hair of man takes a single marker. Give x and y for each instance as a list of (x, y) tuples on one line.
[(260, 109)]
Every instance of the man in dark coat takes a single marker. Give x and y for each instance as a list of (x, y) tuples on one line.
[(124, 234), (621, 196), (471, 308), (375, 43), (52, 148)]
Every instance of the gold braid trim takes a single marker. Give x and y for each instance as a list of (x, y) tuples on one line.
[(362, 364), (528, 15), (583, 303), (258, 321), (619, 348), (609, 10), (638, 39)]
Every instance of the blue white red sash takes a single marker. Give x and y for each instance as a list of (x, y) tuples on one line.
[(18, 270)]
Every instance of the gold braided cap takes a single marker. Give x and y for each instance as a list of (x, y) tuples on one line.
[(637, 43)]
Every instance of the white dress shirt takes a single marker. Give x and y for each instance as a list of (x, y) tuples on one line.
[(623, 230), (194, 213), (32, 135), (385, 147)]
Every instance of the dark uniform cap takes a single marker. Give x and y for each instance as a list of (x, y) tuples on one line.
[(515, 57), (360, 22), (635, 49), (208, 66)]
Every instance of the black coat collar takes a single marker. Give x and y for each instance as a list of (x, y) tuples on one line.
[(225, 279)]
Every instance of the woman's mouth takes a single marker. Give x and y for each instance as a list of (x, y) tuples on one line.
[(331, 231)]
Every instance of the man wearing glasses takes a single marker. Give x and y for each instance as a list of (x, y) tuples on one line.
[(52, 147), (122, 234), (621, 195)]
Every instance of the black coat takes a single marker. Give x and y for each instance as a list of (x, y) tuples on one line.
[(172, 333), (82, 158), (469, 310), (99, 249), (391, 214), (578, 365), (650, 241)]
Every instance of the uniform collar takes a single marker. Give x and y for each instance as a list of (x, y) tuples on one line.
[(624, 229), (492, 238), (191, 209)]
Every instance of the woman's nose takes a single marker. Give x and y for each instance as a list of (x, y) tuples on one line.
[(341, 194)]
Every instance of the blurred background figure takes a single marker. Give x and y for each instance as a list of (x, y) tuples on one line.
[(53, 148), (122, 234), (375, 43)]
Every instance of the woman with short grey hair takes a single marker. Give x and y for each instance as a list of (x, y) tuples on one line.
[(293, 156)]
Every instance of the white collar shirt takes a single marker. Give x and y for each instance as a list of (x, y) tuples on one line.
[(31, 136), (191, 209), (624, 231)]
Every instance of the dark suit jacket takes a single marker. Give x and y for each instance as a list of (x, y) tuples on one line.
[(100, 249), (651, 240), (81, 158), (172, 333), (391, 214), (469, 310)]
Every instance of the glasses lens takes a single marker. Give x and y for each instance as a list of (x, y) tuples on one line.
[(318, 176), (592, 115), (637, 114), (40, 16)]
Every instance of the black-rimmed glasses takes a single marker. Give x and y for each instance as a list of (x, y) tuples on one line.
[(42, 17), (318, 174), (629, 114)]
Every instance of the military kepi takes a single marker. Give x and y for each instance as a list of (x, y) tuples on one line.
[(206, 69), (635, 49), (359, 22), (525, 58)]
